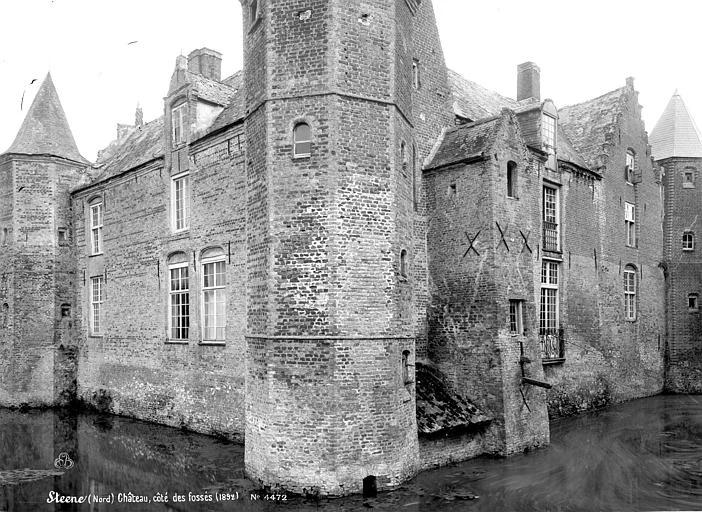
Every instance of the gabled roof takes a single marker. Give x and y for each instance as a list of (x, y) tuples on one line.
[(675, 133), (587, 124), (464, 142), (473, 101), (45, 129)]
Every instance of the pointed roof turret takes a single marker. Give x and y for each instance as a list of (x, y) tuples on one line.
[(675, 133), (45, 130)]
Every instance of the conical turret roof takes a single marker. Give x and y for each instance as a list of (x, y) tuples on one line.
[(675, 133), (45, 130)]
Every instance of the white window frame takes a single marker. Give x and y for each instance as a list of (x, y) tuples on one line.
[(630, 166), (555, 219), (630, 291), (178, 124), (550, 277), (296, 142), (172, 330), (548, 132), (688, 241), (180, 224), (630, 224), (516, 317), (97, 310), (97, 214), (217, 290)]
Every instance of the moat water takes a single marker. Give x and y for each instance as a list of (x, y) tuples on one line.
[(644, 455)]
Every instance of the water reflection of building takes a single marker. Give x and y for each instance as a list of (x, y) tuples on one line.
[(324, 251)]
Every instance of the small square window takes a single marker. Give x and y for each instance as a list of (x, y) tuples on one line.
[(692, 302), (62, 236), (689, 178)]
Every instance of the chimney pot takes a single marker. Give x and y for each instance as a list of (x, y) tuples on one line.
[(528, 81)]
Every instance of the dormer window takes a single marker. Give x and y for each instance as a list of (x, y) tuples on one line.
[(548, 132), (178, 124), (629, 168)]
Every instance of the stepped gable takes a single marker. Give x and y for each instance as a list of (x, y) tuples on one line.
[(588, 124), (45, 130), (675, 133), (439, 410), (142, 145), (465, 142)]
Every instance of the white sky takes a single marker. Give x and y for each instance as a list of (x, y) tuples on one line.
[(583, 48)]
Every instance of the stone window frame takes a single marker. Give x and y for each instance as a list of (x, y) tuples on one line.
[(512, 179), (176, 262), (298, 124), (183, 177), (630, 167), (97, 309), (179, 112), (688, 240), (211, 257), (692, 173), (96, 222), (693, 302), (631, 289), (630, 223)]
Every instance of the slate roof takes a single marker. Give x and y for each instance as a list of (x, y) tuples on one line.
[(474, 101), (210, 90), (45, 130), (439, 410), (464, 142), (565, 150), (143, 144), (675, 133), (588, 124)]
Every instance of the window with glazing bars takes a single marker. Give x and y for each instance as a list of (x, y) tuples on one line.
[(179, 298), (97, 298), (181, 202), (516, 323), (630, 224), (548, 132), (550, 219), (214, 300), (96, 228), (548, 306), (630, 293)]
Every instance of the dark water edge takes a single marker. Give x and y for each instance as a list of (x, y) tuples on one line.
[(644, 455)]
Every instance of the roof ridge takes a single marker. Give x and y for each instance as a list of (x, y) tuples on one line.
[(591, 100)]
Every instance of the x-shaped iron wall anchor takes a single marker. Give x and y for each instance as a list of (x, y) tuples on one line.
[(526, 241), (502, 234), (472, 241)]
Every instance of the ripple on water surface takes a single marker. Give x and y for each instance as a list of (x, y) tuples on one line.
[(642, 455)]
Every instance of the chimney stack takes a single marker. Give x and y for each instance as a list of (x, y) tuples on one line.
[(139, 117), (206, 62), (528, 82)]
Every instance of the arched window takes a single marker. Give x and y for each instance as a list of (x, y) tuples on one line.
[(511, 179), (403, 263), (693, 302), (214, 298), (302, 140), (630, 166), (630, 292), (688, 241)]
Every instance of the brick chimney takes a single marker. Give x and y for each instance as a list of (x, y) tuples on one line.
[(206, 62), (139, 117), (528, 82)]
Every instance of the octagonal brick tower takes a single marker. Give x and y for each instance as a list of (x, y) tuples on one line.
[(330, 399)]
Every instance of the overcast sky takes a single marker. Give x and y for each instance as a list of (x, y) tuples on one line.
[(106, 56)]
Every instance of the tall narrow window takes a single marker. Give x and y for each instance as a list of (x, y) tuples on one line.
[(178, 124), (630, 224), (551, 238), (548, 132), (692, 302), (548, 311), (179, 298), (403, 155), (97, 297), (416, 78), (403, 263), (302, 140), (96, 217), (253, 11), (629, 168), (511, 179), (516, 321), (213, 296), (180, 200), (630, 293), (688, 241)]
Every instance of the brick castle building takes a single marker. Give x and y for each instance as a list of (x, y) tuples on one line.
[(349, 257)]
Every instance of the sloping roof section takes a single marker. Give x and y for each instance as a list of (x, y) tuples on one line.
[(465, 141), (473, 101), (143, 144), (441, 411), (675, 133), (210, 90), (235, 109), (589, 125), (566, 152), (45, 129)]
